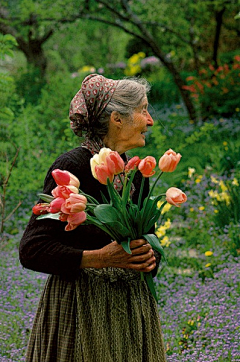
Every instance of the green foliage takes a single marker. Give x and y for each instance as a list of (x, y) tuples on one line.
[(6, 114), (29, 83), (7, 42), (8, 151)]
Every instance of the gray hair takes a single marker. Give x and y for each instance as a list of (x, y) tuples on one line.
[(128, 95)]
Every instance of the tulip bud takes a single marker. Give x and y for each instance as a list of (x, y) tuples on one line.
[(55, 205), (169, 161), (74, 220), (103, 173), (74, 204), (65, 178), (64, 191), (175, 196), (99, 159), (40, 209), (146, 166), (61, 177), (132, 163), (115, 163)]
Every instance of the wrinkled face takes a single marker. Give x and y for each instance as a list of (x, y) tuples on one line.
[(134, 129)]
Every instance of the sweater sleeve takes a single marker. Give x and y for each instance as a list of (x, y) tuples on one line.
[(45, 245)]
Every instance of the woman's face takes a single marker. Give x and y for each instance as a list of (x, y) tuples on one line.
[(133, 131)]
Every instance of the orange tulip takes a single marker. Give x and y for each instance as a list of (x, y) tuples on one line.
[(102, 174), (146, 166), (74, 220), (169, 161), (175, 196), (75, 203)]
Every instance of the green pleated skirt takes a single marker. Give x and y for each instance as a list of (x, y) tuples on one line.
[(106, 315)]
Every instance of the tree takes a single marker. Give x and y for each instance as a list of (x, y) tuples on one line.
[(175, 31), (28, 31)]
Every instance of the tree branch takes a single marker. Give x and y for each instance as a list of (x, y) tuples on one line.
[(113, 10), (117, 23)]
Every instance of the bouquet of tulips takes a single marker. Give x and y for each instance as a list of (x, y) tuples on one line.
[(122, 219)]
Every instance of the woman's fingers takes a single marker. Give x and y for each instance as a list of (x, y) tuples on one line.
[(138, 243), (141, 259)]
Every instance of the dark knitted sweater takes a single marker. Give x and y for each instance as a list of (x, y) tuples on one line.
[(45, 246)]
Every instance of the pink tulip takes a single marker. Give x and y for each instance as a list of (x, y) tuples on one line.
[(132, 163), (103, 173), (64, 191), (55, 205), (40, 209), (146, 166), (74, 204), (175, 196), (169, 161), (115, 163), (65, 178), (74, 220)]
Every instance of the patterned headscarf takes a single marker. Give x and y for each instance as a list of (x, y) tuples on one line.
[(90, 101)]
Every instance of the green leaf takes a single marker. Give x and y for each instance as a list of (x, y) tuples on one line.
[(114, 195), (151, 222), (119, 228), (49, 216), (155, 244), (149, 211), (149, 280), (106, 213), (45, 197), (126, 246)]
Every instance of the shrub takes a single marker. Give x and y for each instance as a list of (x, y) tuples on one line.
[(215, 91)]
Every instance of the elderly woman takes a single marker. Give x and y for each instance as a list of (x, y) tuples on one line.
[(94, 307)]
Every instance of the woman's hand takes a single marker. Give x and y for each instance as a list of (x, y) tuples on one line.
[(142, 258)]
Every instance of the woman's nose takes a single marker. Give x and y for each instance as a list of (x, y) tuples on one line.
[(150, 121)]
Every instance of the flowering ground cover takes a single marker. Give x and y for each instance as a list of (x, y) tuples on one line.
[(200, 320)]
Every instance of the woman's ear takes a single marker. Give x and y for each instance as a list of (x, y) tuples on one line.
[(116, 119)]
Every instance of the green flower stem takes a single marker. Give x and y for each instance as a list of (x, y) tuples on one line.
[(141, 192), (125, 197), (151, 190), (119, 176), (90, 198)]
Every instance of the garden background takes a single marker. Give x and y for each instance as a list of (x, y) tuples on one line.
[(189, 51)]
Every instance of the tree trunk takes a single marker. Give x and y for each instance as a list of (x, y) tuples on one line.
[(177, 78), (33, 50), (184, 93)]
